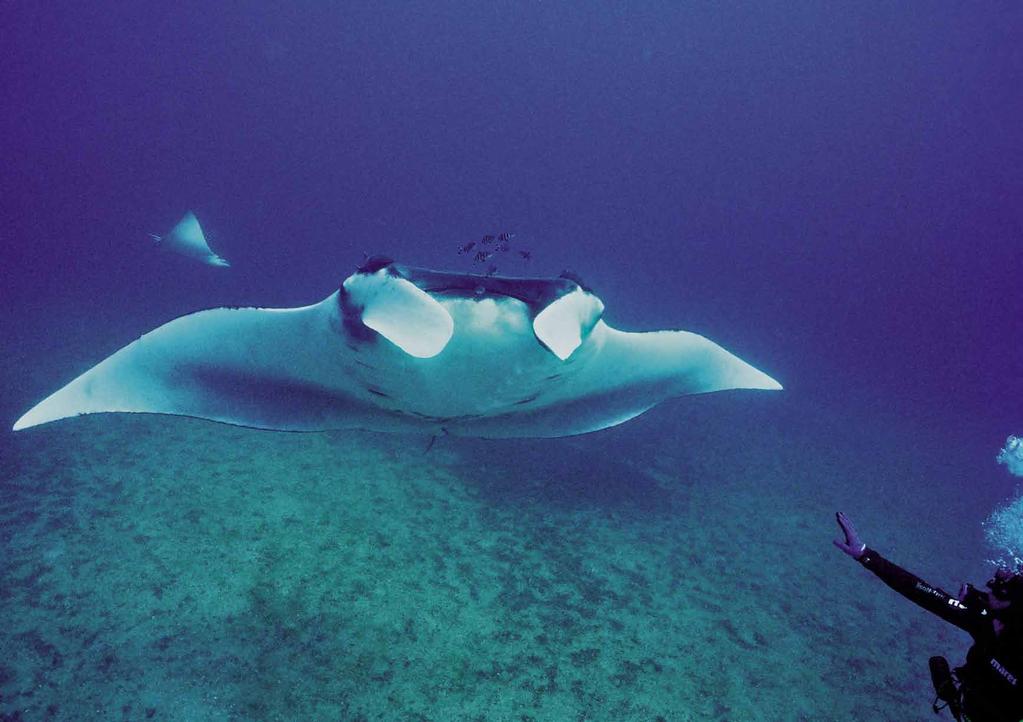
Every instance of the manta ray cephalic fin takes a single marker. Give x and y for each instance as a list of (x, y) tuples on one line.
[(401, 312), (566, 322)]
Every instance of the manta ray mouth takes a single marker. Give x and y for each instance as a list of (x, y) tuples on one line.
[(537, 293)]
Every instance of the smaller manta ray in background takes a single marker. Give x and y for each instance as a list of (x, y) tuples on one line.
[(187, 239)]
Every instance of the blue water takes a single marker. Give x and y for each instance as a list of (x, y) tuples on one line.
[(832, 192)]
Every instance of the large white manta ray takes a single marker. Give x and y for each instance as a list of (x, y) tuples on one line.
[(407, 349)]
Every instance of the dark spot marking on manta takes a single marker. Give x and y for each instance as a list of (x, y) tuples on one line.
[(377, 391), (527, 399), (364, 364), (553, 377)]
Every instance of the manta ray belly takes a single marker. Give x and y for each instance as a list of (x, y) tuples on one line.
[(492, 363)]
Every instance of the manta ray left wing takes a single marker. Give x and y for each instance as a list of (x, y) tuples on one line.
[(264, 368)]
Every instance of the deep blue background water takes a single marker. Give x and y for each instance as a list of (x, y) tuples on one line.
[(833, 192)]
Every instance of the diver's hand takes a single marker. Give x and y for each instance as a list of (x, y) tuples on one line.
[(853, 545)]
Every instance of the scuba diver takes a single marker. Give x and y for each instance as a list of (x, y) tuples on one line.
[(989, 687)]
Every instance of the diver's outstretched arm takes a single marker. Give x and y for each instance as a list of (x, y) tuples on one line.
[(853, 545), (912, 587)]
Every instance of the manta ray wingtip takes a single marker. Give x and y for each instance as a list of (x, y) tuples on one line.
[(750, 377), (27, 420)]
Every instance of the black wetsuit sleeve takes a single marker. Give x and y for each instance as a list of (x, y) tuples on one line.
[(917, 590)]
